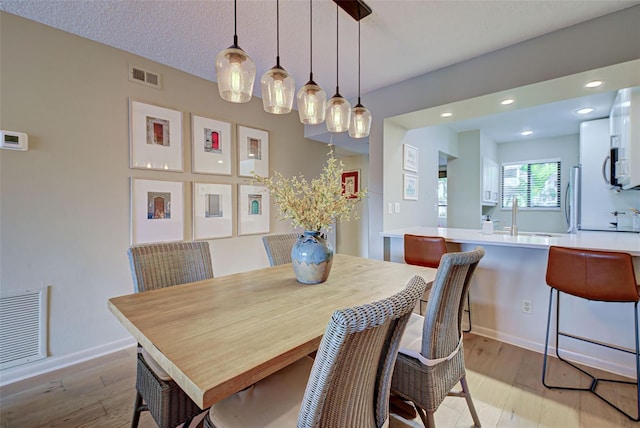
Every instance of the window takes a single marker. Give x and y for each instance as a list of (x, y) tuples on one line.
[(536, 184)]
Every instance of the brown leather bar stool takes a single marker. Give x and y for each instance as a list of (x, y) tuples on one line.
[(427, 251), (592, 275)]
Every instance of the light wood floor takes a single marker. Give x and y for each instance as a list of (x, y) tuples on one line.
[(504, 382)]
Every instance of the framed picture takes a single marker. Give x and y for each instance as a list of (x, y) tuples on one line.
[(212, 211), (211, 147), (155, 137), (157, 211), (253, 152), (351, 183), (410, 158), (253, 210), (410, 187)]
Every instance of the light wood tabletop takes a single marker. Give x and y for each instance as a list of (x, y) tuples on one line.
[(218, 336)]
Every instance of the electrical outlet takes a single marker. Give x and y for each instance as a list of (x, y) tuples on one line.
[(526, 306)]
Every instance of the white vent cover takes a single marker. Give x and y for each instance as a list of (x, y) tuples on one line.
[(145, 77), (23, 326)]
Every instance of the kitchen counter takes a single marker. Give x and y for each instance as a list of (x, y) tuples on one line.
[(605, 241), (509, 295)]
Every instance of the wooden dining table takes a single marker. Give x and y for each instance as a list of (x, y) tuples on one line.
[(218, 336)]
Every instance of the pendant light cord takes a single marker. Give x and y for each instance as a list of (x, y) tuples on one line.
[(358, 62), (310, 40), (235, 23), (278, 33), (337, 56)]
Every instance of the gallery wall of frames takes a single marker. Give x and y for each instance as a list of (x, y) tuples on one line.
[(158, 208)]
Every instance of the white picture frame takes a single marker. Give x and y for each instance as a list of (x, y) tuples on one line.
[(155, 137), (410, 187), (410, 157), (253, 210), (157, 211), (211, 146), (212, 211), (253, 151)]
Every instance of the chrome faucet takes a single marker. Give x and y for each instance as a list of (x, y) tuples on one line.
[(514, 215)]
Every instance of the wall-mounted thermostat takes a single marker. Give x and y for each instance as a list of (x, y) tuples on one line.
[(14, 140)]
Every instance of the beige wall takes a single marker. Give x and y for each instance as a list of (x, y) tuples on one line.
[(352, 237), (64, 214)]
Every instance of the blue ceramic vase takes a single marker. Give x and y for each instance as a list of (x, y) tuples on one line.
[(311, 257)]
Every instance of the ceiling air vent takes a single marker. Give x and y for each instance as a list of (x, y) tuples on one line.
[(139, 75)]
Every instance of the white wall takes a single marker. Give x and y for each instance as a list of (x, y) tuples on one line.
[(430, 142), (564, 148), (64, 211), (564, 52)]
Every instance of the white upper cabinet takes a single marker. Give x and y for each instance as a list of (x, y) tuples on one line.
[(490, 181)]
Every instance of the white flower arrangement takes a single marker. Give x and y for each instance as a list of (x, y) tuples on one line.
[(317, 204)]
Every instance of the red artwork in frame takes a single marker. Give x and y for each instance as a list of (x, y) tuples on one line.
[(351, 183)]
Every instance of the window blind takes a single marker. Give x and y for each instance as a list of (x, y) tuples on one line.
[(536, 184)]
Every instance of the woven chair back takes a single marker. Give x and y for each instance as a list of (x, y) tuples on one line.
[(278, 247), (156, 266), (442, 328), (350, 380)]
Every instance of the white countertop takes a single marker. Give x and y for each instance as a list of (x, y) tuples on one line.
[(605, 241)]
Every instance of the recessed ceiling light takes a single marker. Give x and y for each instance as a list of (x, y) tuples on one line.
[(594, 84), (526, 133), (507, 101), (446, 114), (585, 110)]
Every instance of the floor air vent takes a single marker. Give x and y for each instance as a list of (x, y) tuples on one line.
[(23, 326), (139, 75)]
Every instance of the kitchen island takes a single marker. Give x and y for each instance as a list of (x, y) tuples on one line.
[(509, 295)]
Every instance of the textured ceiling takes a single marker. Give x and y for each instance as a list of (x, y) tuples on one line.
[(400, 39)]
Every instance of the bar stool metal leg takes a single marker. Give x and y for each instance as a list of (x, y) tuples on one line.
[(468, 312), (594, 380)]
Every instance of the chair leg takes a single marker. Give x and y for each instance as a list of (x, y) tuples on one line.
[(468, 311), (138, 407), (635, 313), (594, 380), (427, 421), (431, 422), (467, 397), (546, 340)]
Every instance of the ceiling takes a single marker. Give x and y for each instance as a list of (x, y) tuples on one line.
[(401, 39), (545, 121)]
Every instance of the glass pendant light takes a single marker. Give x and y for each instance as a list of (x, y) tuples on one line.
[(277, 85), (338, 108), (360, 123), (311, 98), (235, 70)]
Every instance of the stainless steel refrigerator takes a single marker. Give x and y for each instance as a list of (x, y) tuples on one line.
[(601, 206)]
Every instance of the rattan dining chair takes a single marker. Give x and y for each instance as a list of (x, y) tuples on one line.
[(278, 247), (431, 358), (156, 266), (347, 385), (426, 251)]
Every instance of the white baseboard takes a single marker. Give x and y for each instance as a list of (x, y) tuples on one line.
[(622, 370), (36, 368)]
